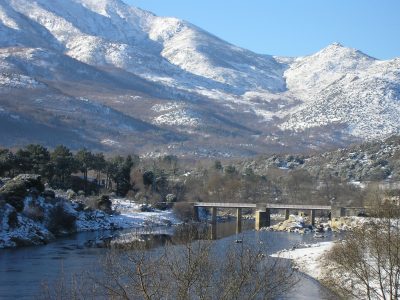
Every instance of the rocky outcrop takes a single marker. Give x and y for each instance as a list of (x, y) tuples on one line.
[(14, 191), (18, 230), (291, 224), (31, 215), (348, 223)]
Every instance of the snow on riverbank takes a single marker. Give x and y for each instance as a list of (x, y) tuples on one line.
[(25, 228), (131, 216), (128, 214), (308, 259)]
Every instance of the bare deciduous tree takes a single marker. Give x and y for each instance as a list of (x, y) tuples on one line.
[(366, 265), (193, 270)]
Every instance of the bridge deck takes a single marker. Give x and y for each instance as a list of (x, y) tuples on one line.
[(299, 206), (225, 205), (262, 206)]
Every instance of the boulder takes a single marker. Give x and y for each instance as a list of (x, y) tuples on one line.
[(70, 194), (146, 208), (15, 190)]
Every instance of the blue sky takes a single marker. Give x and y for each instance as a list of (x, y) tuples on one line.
[(292, 27)]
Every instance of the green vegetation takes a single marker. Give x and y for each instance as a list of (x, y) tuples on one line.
[(63, 169), (327, 178)]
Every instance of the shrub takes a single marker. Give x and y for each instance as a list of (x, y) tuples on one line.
[(104, 204), (34, 212), (15, 190), (13, 219), (60, 220), (184, 211)]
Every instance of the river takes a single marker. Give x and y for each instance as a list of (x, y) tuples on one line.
[(23, 270)]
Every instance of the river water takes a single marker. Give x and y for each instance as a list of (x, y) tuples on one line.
[(24, 270)]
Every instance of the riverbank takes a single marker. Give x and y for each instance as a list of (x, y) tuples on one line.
[(309, 258), (26, 229), (22, 274)]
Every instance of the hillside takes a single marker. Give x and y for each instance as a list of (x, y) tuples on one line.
[(103, 74)]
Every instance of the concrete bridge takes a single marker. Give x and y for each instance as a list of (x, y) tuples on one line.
[(263, 212)]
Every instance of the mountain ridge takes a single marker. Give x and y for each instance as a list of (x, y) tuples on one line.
[(211, 97)]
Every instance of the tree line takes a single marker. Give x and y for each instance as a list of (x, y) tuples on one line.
[(168, 178), (58, 166)]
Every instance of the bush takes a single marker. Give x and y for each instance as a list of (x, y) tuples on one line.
[(34, 212), (60, 220), (13, 219), (79, 184), (104, 204), (184, 211), (15, 190), (49, 194), (16, 201)]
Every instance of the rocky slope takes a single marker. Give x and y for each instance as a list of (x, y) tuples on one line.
[(377, 161), (104, 74), (31, 215)]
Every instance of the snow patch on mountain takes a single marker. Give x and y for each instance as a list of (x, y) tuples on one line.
[(343, 86), (175, 114), (8, 80), (44, 40), (313, 73), (180, 117), (6, 20), (110, 142), (167, 106)]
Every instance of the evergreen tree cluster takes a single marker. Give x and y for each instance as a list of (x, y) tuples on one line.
[(61, 168)]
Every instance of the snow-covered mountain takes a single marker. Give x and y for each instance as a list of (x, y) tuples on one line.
[(174, 87)]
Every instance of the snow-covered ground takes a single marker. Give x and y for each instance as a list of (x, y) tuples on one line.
[(127, 215), (131, 216), (309, 259), (336, 87), (35, 232)]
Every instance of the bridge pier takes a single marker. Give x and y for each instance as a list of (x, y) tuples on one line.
[(263, 214), (287, 213), (312, 216), (213, 223), (263, 218), (238, 220), (268, 217), (196, 214), (338, 212)]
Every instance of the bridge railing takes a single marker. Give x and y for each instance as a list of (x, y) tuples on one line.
[(225, 205), (299, 206), (262, 205)]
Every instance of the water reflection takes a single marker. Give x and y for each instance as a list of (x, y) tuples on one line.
[(23, 270)]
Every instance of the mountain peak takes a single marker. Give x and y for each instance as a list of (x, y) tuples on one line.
[(336, 44), (338, 51), (127, 51)]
